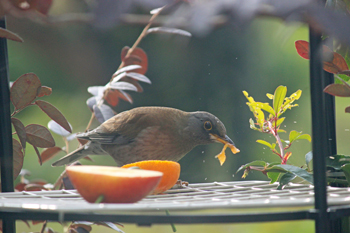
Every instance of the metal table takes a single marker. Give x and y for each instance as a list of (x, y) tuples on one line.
[(224, 202)]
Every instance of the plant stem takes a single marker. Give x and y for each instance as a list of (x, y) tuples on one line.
[(137, 42), (141, 36), (43, 227), (279, 142)]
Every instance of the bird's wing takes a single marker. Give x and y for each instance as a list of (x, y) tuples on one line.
[(121, 129)]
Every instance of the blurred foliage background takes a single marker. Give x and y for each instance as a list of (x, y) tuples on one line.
[(201, 73)]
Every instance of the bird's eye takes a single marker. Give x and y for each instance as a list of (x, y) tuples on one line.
[(207, 125)]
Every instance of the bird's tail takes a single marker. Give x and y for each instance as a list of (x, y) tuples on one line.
[(81, 152)]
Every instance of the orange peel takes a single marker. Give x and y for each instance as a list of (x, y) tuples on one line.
[(222, 156)]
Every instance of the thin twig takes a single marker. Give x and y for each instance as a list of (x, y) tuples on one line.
[(90, 122), (279, 142)]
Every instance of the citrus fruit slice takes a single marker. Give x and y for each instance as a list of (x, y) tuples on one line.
[(112, 184), (170, 170)]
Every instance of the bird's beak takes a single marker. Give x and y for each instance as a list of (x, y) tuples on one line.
[(225, 141)]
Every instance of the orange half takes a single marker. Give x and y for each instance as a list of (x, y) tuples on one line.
[(170, 170)]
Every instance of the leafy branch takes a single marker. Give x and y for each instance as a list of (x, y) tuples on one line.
[(271, 125)]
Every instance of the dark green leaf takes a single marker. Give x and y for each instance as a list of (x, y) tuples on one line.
[(285, 179), (24, 90), (346, 169), (337, 161), (308, 158), (54, 114), (294, 170), (254, 163)]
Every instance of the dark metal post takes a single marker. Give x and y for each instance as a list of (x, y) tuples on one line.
[(320, 143), (6, 158)]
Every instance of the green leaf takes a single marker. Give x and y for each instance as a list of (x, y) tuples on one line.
[(270, 96), (308, 158), (281, 131), (304, 136), (252, 124), (285, 179), (266, 107), (299, 172), (346, 169), (271, 146), (260, 117), (254, 163), (273, 176), (280, 94), (278, 122), (337, 161), (293, 135)]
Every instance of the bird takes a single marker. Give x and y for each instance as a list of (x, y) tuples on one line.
[(150, 133)]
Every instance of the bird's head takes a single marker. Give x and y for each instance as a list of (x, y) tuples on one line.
[(206, 128)]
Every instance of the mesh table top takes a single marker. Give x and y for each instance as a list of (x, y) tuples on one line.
[(202, 196)]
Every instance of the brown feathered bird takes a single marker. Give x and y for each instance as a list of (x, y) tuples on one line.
[(150, 133)]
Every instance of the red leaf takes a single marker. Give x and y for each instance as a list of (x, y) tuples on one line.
[(54, 114), (34, 222), (24, 90), (48, 153), (21, 132), (336, 89), (38, 154), (17, 158), (20, 187), (113, 96), (39, 136), (334, 63), (337, 65), (347, 109), (302, 47), (10, 35), (44, 90), (34, 187), (137, 57)]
